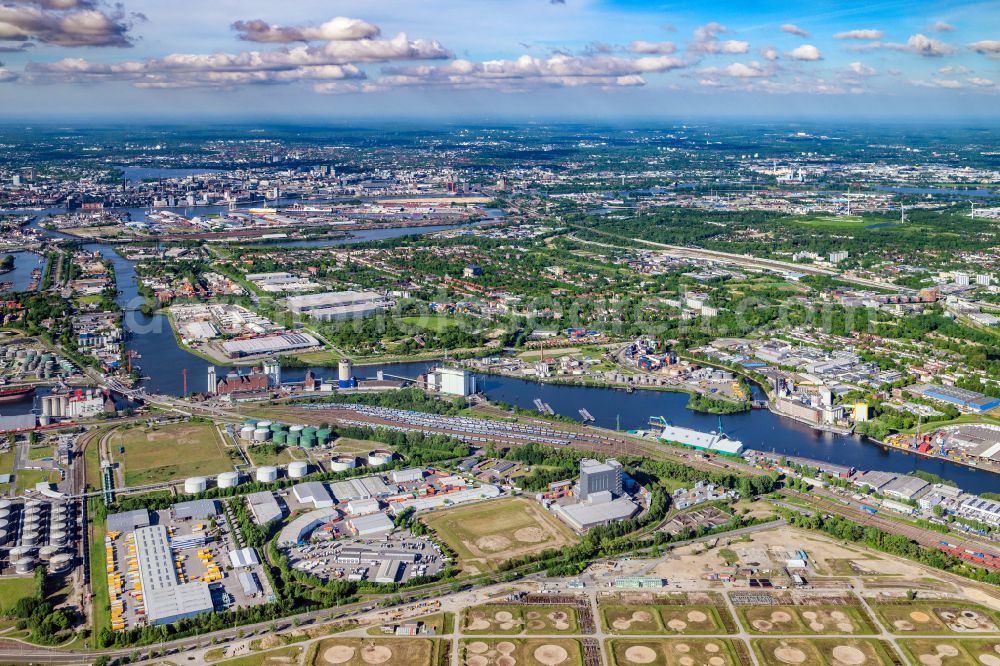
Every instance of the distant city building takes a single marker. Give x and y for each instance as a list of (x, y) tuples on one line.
[(984, 280), (451, 381), (234, 382), (962, 279), (836, 257), (472, 271), (336, 305)]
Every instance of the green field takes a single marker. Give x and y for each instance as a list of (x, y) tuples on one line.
[(435, 323), (943, 617), (168, 453), (672, 651), (40, 452), (25, 479), (487, 533), (7, 460), (788, 620), (12, 589), (826, 651)]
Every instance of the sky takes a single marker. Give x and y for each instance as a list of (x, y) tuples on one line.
[(495, 59)]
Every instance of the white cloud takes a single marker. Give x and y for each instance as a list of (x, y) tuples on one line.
[(805, 52), (661, 48), (861, 69), (988, 47), (950, 70), (7, 75), (950, 84), (64, 23), (860, 34), (928, 46), (793, 29), (527, 72), (980, 82), (769, 53), (336, 29), (706, 40), (739, 70), (941, 26)]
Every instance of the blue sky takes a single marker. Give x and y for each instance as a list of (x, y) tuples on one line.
[(499, 58)]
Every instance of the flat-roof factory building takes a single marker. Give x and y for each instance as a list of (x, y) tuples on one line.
[(335, 305), (167, 600), (264, 506), (702, 441), (957, 396), (313, 492), (585, 515), (271, 344)]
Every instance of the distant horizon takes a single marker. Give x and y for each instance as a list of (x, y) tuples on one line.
[(519, 59)]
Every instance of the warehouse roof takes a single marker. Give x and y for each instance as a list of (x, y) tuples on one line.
[(376, 522), (313, 492), (584, 516), (203, 508), (907, 487), (332, 299), (270, 344), (128, 521), (264, 507), (244, 557), (299, 529)]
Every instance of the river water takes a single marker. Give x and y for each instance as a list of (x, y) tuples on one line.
[(162, 363)]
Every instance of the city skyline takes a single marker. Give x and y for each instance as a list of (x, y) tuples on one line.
[(544, 59)]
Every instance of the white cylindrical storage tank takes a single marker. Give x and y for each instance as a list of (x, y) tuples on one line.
[(228, 480), (196, 484), (267, 474), (5, 504), (31, 522), (261, 434), (45, 553), (19, 552), (57, 538), (340, 463), (61, 563), (29, 538), (4, 535), (264, 424), (298, 469), (25, 565), (63, 405), (296, 428), (246, 433), (47, 405), (379, 457)]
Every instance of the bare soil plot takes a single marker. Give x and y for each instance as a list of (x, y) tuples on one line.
[(374, 651), (488, 533), (521, 652), (826, 651), (672, 652)]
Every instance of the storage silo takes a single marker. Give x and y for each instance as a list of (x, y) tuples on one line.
[(280, 438), (267, 474), (246, 433), (196, 484), (264, 424), (228, 480), (323, 436), (309, 431), (63, 405), (25, 565), (292, 439), (379, 457), (307, 441), (278, 427), (57, 538), (296, 429), (345, 374), (61, 563), (261, 435), (46, 553), (298, 469), (341, 463)]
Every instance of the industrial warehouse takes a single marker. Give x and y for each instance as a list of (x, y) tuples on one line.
[(333, 305)]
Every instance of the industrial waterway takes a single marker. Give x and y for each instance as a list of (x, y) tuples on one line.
[(162, 361)]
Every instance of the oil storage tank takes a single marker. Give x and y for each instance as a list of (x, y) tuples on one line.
[(196, 484), (228, 480), (298, 469), (267, 474), (341, 463)]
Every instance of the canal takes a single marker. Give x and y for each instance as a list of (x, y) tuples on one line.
[(162, 363)]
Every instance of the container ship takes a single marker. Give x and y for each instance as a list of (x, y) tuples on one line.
[(15, 393)]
